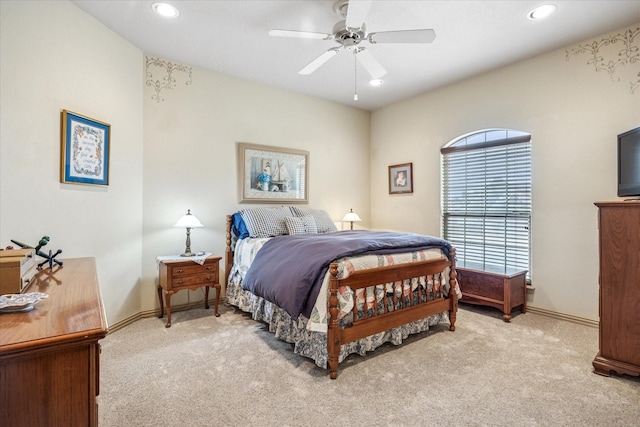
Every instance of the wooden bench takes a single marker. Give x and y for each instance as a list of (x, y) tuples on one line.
[(495, 286)]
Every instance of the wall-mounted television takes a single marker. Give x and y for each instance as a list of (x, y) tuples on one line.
[(629, 163)]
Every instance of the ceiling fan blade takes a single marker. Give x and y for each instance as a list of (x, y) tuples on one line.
[(300, 34), (370, 63), (317, 63), (357, 11), (403, 36)]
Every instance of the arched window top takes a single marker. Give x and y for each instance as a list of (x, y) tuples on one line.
[(486, 198), (486, 138)]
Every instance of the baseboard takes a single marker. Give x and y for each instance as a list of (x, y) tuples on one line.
[(152, 313), (562, 316)]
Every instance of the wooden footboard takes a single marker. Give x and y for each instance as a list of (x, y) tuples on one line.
[(391, 313)]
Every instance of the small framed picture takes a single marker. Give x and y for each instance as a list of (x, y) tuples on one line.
[(401, 178), (84, 150)]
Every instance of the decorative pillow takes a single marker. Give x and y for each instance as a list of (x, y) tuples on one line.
[(266, 222), (323, 220), (301, 225), (238, 226)]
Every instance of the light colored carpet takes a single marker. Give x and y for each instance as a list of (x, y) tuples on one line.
[(230, 371)]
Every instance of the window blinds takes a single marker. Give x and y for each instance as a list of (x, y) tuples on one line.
[(486, 201)]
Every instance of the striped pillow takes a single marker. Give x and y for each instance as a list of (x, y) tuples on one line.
[(301, 225), (266, 222), (323, 220)]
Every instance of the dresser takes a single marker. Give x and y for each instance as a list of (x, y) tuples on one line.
[(50, 356), (619, 291)]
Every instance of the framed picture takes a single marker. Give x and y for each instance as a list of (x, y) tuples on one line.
[(272, 174), (85, 150), (401, 178)]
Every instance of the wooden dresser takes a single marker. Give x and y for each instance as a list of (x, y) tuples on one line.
[(619, 339), (49, 356)]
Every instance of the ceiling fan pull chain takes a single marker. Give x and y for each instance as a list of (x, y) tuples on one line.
[(355, 76)]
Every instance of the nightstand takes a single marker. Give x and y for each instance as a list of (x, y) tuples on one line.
[(179, 274)]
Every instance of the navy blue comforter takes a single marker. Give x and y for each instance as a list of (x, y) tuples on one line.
[(288, 270)]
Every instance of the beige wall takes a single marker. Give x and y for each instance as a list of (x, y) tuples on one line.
[(54, 57), (166, 157), (180, 154), (190, 158), (573, 114)]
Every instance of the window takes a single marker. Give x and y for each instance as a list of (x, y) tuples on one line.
[(486, 198)]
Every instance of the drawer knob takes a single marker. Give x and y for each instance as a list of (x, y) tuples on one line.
[(209, 268), (180, 271), (179, 282)]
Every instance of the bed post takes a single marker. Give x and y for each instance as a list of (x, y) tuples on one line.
[(453, 283), (228, 254), (333, 333)]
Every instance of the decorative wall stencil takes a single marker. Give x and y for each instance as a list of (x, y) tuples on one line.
[(607, 56), (168, 81)]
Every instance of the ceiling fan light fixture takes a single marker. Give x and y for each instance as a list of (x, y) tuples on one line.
[(542, 12), (351, 34), (165, 10)]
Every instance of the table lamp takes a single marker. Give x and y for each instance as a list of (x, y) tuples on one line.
[(351, 217), (188, 221)]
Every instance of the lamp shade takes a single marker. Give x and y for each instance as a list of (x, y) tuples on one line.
[(188, 221), (351, 216)]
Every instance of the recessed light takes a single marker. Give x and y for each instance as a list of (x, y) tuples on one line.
[(542, 12), (165, 9), (376, 82)]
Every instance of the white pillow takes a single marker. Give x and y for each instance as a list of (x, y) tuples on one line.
[(323, 220), (266, 222), (301, 225)]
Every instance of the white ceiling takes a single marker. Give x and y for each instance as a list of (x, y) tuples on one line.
[(472, 37)]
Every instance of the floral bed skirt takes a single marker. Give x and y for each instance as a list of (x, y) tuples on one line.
[(313, 344)]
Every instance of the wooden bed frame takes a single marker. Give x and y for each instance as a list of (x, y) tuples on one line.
[(372, 321)]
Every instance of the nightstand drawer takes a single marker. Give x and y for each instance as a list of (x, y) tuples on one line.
[(193, 269), (200, 279)]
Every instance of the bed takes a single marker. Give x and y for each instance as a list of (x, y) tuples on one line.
[(333, 293)]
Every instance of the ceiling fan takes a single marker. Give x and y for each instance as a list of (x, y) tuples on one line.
[(350, 33)]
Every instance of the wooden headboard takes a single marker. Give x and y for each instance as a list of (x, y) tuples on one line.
[(228, 253)]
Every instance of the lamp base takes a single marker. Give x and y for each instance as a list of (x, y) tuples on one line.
[(187, 247)]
